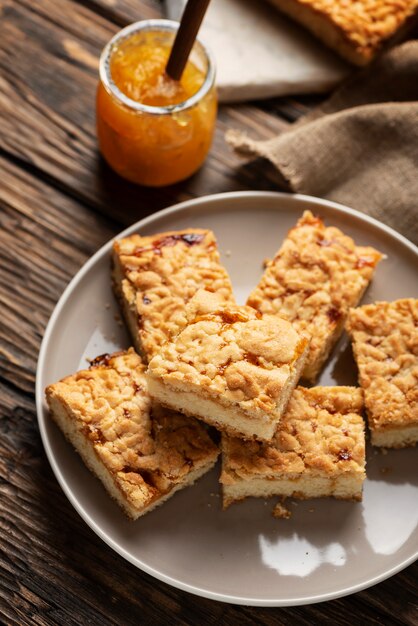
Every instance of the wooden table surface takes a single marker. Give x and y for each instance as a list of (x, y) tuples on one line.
[(58, 204)]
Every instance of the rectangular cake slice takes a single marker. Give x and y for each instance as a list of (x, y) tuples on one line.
[(357, 30), (385, 346), (230, 366), (155, 276), (317, 451), (315, 277), (142, 454)]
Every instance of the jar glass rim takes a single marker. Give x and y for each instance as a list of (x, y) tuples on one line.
[(113, 89)]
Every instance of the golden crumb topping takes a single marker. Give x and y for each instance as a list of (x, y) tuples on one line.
[(281, 512), (233, 353), (385, 344), (147, 449), (315, 277), (158, 275), (365, 23), (321, 431)]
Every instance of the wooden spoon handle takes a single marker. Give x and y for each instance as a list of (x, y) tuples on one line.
[(189, 26)]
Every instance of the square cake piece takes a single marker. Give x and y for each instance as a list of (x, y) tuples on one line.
[(230, 366), (154, 277), (385, 346), (142, 454), (315, 277), (358, 29), (317, 451)]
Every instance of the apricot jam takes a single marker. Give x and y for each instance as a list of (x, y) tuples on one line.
[(151, 129)]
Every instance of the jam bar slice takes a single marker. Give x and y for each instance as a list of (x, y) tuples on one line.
[(385, 345), (154, 277), (142, 454), (317, 451), (315, 277), (230, 366)]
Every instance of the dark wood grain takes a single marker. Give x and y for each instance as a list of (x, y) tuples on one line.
[(58, 204), (124, 12)]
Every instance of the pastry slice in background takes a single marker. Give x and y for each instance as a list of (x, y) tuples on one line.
[(385, 346), (356, 29)]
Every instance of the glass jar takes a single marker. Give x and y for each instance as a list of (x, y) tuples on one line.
[(154, 145)]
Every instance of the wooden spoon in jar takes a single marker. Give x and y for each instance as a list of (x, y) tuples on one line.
[(191, 19)]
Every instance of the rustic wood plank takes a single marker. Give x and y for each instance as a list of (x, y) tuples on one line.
[(53, 569), (124, 12), (42, 246)]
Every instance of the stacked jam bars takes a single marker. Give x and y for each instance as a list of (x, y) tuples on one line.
[(230, 366), (141, 451), (143, 423)]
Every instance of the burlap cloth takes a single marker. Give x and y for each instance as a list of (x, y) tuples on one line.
[(360, 147)]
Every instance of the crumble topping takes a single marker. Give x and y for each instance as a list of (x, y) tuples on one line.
[(281, 512), (321, 431), (385, 344), (147, 448), (231, 352), (315, 277), (159, 275)]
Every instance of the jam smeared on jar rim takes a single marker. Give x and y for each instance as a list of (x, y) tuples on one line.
[(191, 239)]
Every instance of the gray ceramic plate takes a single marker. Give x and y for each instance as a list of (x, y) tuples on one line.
[(243, 555)]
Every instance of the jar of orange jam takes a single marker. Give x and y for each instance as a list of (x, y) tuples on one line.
[(151, 129)]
